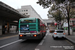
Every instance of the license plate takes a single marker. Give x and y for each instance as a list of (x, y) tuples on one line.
[(27, 33), (60, 34)]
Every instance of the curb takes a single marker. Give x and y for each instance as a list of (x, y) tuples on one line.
[(73, 42)]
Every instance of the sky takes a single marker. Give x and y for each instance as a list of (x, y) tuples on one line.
[(16, 4)]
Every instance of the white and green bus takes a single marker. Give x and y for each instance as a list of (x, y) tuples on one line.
[(31, 28)]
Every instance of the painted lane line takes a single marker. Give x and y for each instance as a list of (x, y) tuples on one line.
[(41, 42), (47, 34), (45, 37), (9, 43)]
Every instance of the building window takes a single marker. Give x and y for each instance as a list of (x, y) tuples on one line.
[(22, 10), (26, 10), (26, 13)]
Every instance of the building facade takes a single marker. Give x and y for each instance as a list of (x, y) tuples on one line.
[(29, 12), (49, 21)]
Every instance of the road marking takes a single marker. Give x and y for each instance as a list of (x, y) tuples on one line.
[(45, 37), (69, 42), (9, 43), (7, 37), (37, 49), (47, 34), (41, 42)]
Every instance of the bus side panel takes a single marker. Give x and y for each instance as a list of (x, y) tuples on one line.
[(19, 26)]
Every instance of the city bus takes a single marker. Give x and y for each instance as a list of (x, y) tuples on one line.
[(31, 28)]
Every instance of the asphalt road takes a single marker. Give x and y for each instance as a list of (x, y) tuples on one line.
[(47, 43)]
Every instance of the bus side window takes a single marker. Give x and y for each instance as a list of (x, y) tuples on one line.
[(38, 25)]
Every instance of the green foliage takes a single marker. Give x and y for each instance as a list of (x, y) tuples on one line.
[(57, 16), (53, 8), (72, 13), (49, 2), (59, 1)]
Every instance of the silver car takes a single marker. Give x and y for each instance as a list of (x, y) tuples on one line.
[(58, 34)]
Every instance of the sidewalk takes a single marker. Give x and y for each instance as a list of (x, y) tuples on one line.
[(70, 37), (8, 34)]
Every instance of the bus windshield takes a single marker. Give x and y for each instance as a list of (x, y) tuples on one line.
[(28, 21)]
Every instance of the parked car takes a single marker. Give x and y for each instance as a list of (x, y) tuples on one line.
[(58, 34)]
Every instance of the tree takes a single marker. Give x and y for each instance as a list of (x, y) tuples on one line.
[(57, 15), (72, 13), (61, 11), (47, 3)]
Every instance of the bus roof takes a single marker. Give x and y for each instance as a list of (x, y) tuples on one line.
[(27, 18)]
